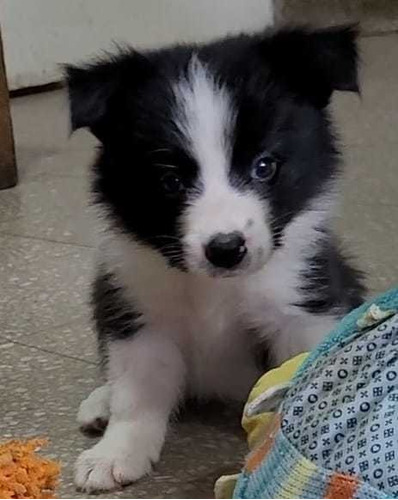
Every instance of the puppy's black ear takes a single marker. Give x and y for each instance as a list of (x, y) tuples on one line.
[(314, 63), (96, 91)]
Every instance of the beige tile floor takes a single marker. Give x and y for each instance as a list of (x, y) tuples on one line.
[(47, 351)]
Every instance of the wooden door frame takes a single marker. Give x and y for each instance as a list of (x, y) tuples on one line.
[(8, 166)]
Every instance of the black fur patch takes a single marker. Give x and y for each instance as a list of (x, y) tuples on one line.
[(329, 283), (113, 316)]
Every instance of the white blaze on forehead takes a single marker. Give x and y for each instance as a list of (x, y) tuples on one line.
[(205, 118)]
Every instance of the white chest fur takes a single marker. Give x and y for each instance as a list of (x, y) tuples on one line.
[(203, 315), (218, 324)]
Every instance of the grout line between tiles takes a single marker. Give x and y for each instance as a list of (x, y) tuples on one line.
[(49, 351), (39, 238)]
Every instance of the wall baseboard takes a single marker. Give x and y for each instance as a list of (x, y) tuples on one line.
[(37, 89)]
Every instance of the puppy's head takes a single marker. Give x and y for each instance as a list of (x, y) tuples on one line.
[(209, 152)]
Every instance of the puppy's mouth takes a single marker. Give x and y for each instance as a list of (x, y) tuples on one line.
[(250, 265), (215, 272), (204, 268)]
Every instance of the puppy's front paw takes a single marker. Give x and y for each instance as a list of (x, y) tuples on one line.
[(93, 413), (105, 467)]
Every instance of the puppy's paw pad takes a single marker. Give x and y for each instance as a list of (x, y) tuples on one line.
[(94, 428), (93, 413), (98, 470)]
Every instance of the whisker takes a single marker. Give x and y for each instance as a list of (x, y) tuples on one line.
[(283, 217), (159, 150), (172, 252), (164, 237)]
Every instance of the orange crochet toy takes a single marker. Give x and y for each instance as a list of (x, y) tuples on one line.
[(23, 473)]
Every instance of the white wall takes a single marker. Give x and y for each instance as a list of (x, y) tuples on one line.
[(39, 34)]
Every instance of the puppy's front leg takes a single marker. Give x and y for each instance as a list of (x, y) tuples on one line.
[(146, 376)]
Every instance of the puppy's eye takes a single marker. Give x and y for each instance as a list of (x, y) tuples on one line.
[(264, 168), (172, 184)]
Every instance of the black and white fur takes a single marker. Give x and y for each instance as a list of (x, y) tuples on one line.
[(232, 137)]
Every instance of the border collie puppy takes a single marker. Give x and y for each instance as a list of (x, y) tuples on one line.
[(215, 182)]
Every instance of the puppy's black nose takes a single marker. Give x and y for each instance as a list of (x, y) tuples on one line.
[(226, 250)]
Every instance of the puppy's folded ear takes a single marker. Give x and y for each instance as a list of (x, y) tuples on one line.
[(97, 90), (314, 63)]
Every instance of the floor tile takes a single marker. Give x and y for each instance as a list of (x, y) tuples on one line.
[(370, 234), (48, 117), (50, 150), (43, 392), (43, 285), (371, 175), (76, 340), (54, 208), (69, 161), (41, 119), (379, 16), (372, 120)]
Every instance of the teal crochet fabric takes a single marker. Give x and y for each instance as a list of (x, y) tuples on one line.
[(386, 301), (343, 413), (338, 433)]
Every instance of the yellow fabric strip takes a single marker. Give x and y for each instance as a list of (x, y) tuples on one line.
[(255, 426)]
